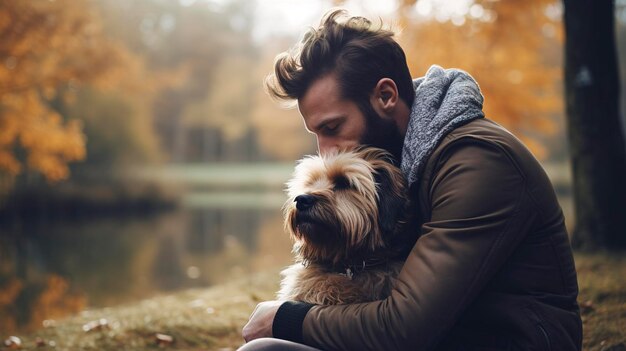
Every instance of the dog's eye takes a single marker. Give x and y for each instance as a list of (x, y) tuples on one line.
[(342, 183)]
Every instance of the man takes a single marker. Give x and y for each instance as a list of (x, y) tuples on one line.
[(492, 268)]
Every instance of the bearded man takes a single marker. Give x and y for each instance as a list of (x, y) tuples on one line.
[(492, 268)]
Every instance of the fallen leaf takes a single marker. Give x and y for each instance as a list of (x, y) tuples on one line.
[(96, 325), (49, 323), (13, 342), (163, 339), (586, 306), (40, 342)]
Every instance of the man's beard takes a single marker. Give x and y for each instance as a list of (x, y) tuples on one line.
[(381, 132)]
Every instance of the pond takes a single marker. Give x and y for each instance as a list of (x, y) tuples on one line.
[(49, 270)]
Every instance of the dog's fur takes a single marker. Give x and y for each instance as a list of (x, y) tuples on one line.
[(350, 240)]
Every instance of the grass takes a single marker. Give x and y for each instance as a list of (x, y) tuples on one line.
[(211, 319), (197, 319), (602, 296)]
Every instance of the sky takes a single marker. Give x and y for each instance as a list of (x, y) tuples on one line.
[(294, 16)]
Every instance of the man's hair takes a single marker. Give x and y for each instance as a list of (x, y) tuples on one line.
[(349, 47)]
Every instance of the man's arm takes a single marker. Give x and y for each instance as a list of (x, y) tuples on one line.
[(480, 212)]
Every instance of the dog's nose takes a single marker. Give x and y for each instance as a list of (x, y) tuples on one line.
[(304, 202)]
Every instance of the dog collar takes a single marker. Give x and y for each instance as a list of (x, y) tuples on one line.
[(350, 269)]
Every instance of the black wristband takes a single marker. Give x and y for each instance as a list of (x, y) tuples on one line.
[(288, 321)]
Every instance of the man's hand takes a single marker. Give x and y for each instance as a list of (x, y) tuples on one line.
[(260, 323)]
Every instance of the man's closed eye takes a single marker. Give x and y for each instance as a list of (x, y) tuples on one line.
[(330, 128)]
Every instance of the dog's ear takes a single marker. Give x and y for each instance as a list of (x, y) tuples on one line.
[(391, 188), (392, 195)]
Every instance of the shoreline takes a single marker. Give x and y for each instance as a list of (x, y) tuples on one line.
[(212, 318), (194, 319)]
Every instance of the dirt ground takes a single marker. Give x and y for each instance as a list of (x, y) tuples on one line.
[(211, 319)]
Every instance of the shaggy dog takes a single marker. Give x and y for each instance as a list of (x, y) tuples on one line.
[(347, 214)]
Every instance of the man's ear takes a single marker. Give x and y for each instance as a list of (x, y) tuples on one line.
[(384, 97)]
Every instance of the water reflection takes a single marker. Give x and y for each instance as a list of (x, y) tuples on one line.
[(50, 269)]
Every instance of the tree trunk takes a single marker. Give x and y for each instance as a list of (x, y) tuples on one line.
[(595, 134)]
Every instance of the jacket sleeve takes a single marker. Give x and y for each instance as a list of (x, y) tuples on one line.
[(480, 211)]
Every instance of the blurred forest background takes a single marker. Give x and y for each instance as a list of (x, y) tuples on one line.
[(91, 87), (137, 143)]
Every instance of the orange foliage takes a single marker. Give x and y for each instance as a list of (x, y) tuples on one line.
[(55, 301), (10, 291), (48, 49), (512, 48)]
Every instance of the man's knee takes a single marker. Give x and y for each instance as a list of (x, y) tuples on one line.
[(271, 344), (258, 345)]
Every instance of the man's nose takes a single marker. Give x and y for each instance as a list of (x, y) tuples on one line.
[(326, 146), (331, 147)]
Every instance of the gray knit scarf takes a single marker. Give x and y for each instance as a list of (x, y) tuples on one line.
[(444, 100)]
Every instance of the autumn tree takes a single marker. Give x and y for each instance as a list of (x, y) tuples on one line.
[(597, 144), (48, 50), (510, 47)]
